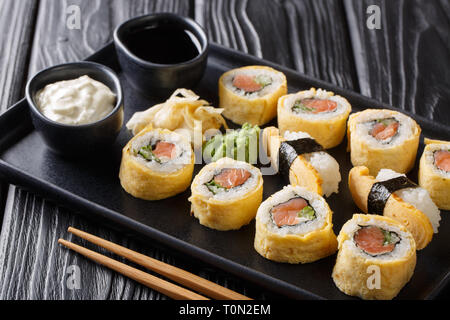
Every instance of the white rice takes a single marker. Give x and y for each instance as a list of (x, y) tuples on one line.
[(342, 104), (401, 248), (365, 124), (417, 197), (183, 151), (325, 165), (288, 192), (429, 158), (277, 80), (214, 168)]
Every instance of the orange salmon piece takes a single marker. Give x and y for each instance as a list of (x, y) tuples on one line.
[(320, 105), (382, 132), (164, 149), (246, 83), (442, 160), (286, 214), (371, 240), (230, 178)]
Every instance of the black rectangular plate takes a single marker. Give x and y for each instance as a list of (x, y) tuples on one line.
[(93, 186)]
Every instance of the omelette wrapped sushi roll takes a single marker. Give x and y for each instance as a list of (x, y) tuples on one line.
[(226, 194), (393, 195), (434, 172), (156, 164), (383, 139), (302, 161), (250, 94), (319, 113), (371, 245), (295, 225)]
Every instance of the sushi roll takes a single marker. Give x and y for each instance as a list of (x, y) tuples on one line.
[(319, 113), (376, 258), (250, 94), (383, 139), (393, 195), (434, 172), (226, 194), (295, 225), (302, 161), (156, 164)]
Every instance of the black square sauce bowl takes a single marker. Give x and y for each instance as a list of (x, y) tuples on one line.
[(77, 140), (155, 52)]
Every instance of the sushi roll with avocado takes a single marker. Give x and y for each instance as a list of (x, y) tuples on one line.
[(376, 258), (226, 194), (393, 195), (383, 139), (250, 94), (434, 171), (319, 113), (294, 225), (302, 161), (156, 164)]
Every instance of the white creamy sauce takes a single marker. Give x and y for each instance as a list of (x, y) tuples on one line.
[(76, 102)]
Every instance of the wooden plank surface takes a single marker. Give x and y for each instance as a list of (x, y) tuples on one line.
[(405, 62), (17, 20)]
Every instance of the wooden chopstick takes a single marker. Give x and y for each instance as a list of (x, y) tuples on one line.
[(181, 276), (169, 289)]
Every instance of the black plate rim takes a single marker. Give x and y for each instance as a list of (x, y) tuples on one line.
[(20, 177)]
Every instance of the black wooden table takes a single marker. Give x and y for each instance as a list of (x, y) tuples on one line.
[(401, 59)]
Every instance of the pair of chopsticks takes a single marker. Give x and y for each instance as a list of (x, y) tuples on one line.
[(167, 288)]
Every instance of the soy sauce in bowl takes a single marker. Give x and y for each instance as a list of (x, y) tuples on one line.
[(165, 44), (161, 52)]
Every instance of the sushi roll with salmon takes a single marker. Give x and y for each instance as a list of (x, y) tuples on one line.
[(302, 161), (393, 195), (319, 113), (383, 139), (294, 225), (156, 164), (250, 94), (226, 194), (376, 258), (434, 172)]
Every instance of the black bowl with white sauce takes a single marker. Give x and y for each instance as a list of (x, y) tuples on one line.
[(76, 107)]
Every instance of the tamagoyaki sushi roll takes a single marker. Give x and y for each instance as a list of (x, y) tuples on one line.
[(434, 172), (250, 94), (294, 225), (226, 194), (393, 195), (319, 113), (383, 139), (156, 164), (302, 161), (376, 258)]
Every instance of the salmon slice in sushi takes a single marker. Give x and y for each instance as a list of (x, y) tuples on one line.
[(375, 241), (226, 194), (291, 212), (319, 113), (393, 195), (250, 94), (434, 171), (294, 225), (383, 139), (369, 244)]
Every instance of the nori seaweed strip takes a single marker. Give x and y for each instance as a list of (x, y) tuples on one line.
[(381, 191), (290, 150)]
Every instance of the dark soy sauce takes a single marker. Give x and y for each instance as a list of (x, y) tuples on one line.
[(163, 44)]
